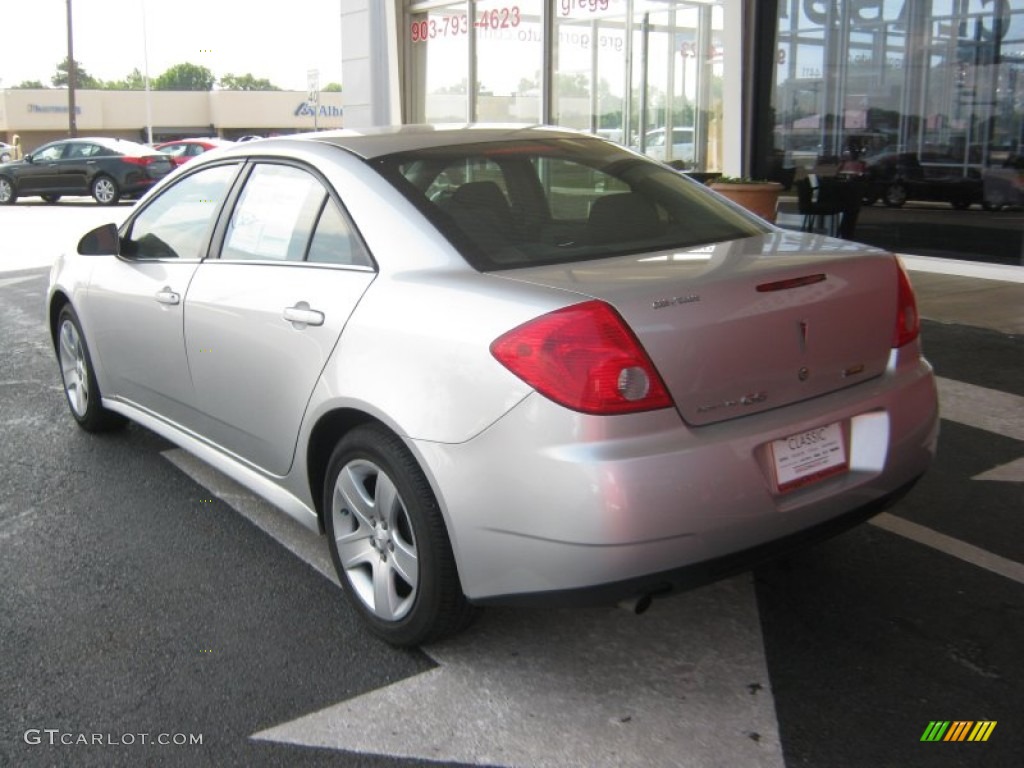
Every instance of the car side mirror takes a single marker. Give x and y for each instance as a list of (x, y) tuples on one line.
[(102, 241), (28, 159)]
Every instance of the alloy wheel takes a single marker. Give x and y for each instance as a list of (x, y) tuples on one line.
[(74, 368), (374, 538), (105, 191)]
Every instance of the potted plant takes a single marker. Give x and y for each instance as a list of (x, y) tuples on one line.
[(757, 196)]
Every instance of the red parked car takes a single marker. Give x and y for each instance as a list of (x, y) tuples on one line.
[(183, 150)]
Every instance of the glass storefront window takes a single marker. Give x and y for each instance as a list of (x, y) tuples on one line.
[(439, 58), (508, 61), (938, 78), (633, 71), (921, 101)]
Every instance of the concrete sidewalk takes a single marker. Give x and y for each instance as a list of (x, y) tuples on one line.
[(968, 293)]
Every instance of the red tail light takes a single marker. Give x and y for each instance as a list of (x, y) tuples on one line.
[(144, 160), (586, 358), (908, 323)]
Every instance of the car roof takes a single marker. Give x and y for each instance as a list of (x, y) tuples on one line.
[(120, 145), (376, 142), (213, 140)]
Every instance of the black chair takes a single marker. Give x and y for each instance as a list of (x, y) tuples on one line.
[(817, 198)]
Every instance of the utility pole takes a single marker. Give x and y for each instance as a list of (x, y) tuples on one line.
[(72, 80)]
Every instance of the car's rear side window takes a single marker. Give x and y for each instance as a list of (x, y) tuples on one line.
[(274, 216), (335, 242), (551, 201), (285, 213)]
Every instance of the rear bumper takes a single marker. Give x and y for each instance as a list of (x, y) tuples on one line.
[(547, 504), (708, 571)]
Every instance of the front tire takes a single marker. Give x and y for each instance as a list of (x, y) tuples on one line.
[(388, 541), (80, 387), (8, 194), (105, 190)]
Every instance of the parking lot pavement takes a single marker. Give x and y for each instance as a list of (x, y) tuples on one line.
[(142, 593)]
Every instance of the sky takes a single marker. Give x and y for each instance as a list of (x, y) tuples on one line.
[(278, 41)]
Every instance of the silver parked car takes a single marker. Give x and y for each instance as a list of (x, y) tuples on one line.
[(500, 364)]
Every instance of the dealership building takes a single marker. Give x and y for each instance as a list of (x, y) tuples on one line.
[(754, 85), (744, 87), (35, 117)]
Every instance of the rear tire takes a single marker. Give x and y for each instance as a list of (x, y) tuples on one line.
[(79, 379), (993, 204), (895, 195), (105, 190), (389, 543)]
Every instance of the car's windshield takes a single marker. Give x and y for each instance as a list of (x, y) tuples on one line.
[(552, 201)]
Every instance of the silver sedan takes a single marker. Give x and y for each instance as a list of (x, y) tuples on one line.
[(500, 364)]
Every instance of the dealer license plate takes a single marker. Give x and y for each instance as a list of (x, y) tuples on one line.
[(807, 457)]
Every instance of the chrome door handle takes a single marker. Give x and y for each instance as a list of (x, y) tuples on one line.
[(301, 315), (167, 296)]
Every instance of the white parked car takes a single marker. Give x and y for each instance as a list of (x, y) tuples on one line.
[(682, 145)]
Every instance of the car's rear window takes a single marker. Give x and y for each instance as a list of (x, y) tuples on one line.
[(551, 201)]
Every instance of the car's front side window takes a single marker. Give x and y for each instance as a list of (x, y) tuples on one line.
[(177, 223), (49, 154)]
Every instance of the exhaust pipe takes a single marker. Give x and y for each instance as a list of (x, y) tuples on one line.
[(639, 604)]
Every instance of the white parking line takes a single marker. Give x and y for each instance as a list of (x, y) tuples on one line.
[(989, 409), (969, 553), (686, 684), (940, 265), (4, 282)]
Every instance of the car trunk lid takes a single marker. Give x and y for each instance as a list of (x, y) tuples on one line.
[(742, 327)]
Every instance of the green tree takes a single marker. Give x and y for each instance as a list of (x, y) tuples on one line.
[(565, 84), (133, 81), (462, 87), (82, 78), (332, 88), (246, 82), (30, 84), (572, 85), (185, 77)]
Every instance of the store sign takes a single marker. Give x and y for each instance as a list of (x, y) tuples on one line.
[(52, 109), (827, 12), (307, 109)]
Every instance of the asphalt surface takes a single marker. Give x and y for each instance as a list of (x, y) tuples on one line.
[(134, 601)]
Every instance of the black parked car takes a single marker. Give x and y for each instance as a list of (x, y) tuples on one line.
[(107, 169), (896, 177)]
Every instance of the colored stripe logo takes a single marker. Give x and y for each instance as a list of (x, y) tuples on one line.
[(958, 730)]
